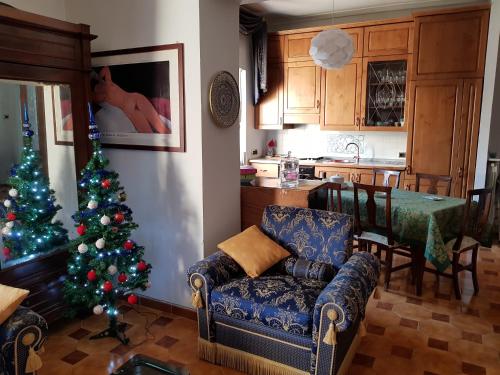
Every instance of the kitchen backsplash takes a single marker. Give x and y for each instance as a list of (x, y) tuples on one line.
[(309, 140)]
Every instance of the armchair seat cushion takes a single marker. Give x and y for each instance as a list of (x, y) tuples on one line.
[(278, 301)]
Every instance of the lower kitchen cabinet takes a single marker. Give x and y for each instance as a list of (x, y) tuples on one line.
[(327, 171)]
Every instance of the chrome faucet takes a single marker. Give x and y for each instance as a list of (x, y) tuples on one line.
[(357, 149)]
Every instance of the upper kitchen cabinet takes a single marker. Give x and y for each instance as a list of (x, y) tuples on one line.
[(450, 45), (391, 39), (269, 112), (302, 93), (384, 96), (341, 104), (296, 46)]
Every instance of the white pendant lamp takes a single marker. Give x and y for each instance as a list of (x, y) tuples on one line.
[(332, 49)]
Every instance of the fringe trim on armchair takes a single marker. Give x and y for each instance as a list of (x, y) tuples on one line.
[(243, 361)]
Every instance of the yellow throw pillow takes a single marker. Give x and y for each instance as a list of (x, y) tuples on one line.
[(253, 251), (10, 299)]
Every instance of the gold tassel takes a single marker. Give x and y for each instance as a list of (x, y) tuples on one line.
[(376, 293), (34, 362), (330, 335), (362, 329), (196, 301)]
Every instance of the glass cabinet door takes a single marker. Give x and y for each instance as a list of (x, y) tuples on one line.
[(385, 94)]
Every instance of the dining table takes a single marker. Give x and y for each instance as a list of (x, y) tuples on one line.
[(424, 222)]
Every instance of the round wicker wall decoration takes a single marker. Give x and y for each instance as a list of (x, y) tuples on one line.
[(224, 99)]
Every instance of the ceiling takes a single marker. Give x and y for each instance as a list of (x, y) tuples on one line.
[(300, 8)]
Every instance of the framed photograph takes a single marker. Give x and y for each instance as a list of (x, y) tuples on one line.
[(63, 119), (138, 97)]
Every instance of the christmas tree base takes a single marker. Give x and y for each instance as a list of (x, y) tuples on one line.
[(115, 330)]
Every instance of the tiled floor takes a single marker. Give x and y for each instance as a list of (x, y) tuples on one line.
[(406, 335)]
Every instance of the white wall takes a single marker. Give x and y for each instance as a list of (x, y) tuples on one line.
[(219, 25), (49, 8), (491, 97), (255, 139), (10, 129), (165, 189)]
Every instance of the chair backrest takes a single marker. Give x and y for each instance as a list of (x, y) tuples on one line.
[(334, 197), (475, 217), (316, 235), (372, 221), (387, 177), (434, 180)]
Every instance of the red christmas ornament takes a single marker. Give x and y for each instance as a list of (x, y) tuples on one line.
[(11, 216), (106, 184), (81, 229), (114, 229), (142, 266), (128, 245), (6, 252), (107, 286), (132, 299), (119, 217), (122, 278), (91, 275)]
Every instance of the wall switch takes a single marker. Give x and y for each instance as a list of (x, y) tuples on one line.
[(254, 151), (402, 155)]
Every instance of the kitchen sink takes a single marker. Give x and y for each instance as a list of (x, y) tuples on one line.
[(339, 161)]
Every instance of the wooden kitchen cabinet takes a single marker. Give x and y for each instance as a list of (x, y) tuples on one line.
[(269, 170), (320, 172), (391, 39), (302, 93), (341, 104), (269, 112), (436, 133), (450, 45)]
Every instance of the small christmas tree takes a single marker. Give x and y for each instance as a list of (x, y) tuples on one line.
[(29, 227), (106, 265)]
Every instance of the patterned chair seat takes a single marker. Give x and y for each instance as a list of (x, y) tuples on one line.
[(278, 301)]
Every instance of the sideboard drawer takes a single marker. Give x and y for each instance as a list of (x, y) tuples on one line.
[(267, 170)]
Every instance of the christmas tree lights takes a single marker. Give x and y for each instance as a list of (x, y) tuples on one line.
[(106, 264), (28, 227)]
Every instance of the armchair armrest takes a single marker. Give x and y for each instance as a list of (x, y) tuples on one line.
[(212, 271), (340, 307), (21, 336)]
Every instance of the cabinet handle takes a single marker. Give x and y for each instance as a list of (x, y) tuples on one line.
[(357, 122), (317, 103), (408, 169), (460, 172), (262, 170), (407, 187)]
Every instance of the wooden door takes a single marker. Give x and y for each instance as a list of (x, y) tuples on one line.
[(436, 135), (450, 45), (269, 111), (471, 111), (302, 93), (392, 39), (341, 91)]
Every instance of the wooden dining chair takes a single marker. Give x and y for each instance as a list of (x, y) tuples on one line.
[(387, 177), (434, 180), (333, 197), (372, 232), (474, 223)]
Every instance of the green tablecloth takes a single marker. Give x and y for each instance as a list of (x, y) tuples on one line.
[(417, 221)]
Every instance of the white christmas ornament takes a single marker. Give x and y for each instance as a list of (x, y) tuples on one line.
[(6, 231), (112, 269), (332, 49), (7, 203), (13, 193), (10, 224), (100, 243), (98, 309), (82, 248), (92, 205), (105, 220)]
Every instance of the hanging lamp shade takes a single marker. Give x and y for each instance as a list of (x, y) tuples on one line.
[(332, 49)]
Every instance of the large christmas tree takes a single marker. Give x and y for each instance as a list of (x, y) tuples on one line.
[(28, 227), (106, 265)]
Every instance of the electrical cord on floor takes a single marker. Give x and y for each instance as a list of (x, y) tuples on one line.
[(147, 326)]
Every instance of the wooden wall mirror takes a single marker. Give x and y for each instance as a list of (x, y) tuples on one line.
[(45, 64)]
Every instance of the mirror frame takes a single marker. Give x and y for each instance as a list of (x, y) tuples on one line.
[(50, 51)]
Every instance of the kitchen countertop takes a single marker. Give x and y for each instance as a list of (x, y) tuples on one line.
[(365, 163), (274, 183)]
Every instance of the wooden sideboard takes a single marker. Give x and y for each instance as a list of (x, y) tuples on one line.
[(443, 52)]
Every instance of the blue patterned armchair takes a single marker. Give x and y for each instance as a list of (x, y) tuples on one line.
[(279, 323), (21, 337)]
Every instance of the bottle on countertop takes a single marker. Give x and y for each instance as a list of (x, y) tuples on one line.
[(289, 172)]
